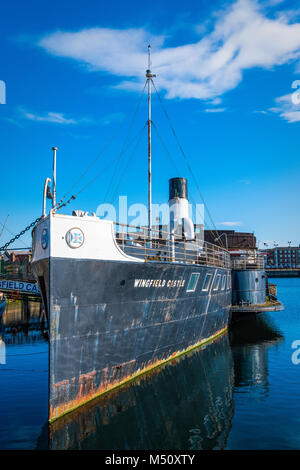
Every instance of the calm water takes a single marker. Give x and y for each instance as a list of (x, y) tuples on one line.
[(240, 392)]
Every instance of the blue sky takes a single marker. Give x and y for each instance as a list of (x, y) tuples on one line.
[(227, 73)]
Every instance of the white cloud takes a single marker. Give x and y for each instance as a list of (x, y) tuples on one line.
[(242, 37), (272, 2), (286, 108), (119, 52), (52, 117), (216, 101), (230, 224), (215, 110), (22, 114), (57, 118)]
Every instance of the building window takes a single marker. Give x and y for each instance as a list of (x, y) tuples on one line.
[(207, 281), (223, 282), (193, 282)]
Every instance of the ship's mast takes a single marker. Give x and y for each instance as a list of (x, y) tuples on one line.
[(149, 76)]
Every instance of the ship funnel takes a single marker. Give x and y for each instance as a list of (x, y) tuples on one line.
[(180, 221), (178, 188)]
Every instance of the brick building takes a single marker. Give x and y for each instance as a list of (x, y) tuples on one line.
[(231, 239), (284, 257)]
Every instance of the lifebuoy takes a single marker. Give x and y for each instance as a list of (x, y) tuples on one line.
[(15, 295)]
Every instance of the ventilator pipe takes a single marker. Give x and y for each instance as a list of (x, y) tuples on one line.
[(48, 180), (188, 228)]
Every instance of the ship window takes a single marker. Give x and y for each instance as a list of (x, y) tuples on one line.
[(207, 281), (223, 282), (193, 282), (217, 282), (228, 281)]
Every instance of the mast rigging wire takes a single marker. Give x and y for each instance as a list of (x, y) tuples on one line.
[(173, 162), (187, 162), (130, 160), (9, 231), (116, 174), (104, 148), (108, 165)]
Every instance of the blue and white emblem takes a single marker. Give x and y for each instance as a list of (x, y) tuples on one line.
[(75, 238)]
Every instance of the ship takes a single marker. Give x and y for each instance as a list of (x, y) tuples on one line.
[(121, 300)]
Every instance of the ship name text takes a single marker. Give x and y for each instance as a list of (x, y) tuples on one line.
[(159, 283)]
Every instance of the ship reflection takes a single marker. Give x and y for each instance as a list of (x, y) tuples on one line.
[(250, 339), (186, 404)]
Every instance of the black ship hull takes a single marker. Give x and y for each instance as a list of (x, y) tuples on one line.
[(110, 321), (193, 401)]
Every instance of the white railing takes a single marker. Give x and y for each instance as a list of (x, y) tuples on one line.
[(167, 247), (249, 262)]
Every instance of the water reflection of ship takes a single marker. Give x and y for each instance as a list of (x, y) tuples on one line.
[(23, 322), (250, 339), (186, 404)]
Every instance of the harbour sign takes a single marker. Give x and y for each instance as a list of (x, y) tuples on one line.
[(29, 287)]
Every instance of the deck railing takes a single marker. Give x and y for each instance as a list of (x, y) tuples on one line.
[(249, 262), (158, 245)]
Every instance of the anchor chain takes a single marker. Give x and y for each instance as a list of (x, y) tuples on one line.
[(4, 247)]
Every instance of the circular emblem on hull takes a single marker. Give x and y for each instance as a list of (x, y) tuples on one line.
[(44, 239), (75, 237)]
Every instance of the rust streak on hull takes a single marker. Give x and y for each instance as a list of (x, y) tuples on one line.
[(83, 398)]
